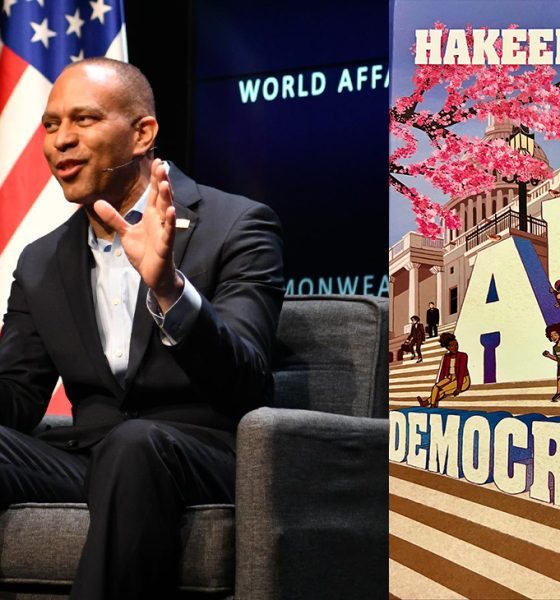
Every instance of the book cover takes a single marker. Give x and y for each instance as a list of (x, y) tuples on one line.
[(474, 270)]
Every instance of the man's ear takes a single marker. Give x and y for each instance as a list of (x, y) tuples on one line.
[(146, 132)]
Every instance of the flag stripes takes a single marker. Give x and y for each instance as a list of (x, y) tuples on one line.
[(11, 70), (31, 202), (20, 190)]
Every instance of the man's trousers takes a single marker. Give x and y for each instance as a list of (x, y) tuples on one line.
[(137, 482)]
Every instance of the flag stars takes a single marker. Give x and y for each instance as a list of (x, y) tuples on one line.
[(99, 8), (79, 57), (42, 32), (7, 6), (75, 23)]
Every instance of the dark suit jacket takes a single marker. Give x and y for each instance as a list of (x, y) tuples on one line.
[(417, 334), (231, 252), (432, 316)]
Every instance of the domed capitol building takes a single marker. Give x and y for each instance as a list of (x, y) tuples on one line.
[(492, 282)]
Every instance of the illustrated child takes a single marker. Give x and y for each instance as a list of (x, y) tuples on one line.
[(556, 291), (453, 377), (552, 332)]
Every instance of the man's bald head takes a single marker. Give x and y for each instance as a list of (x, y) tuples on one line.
[(131, 84)]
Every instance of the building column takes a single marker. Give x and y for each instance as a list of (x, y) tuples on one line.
[(499, 199), (488, 200), (469, 213), (463, 215), (478, 205), (391, 304), (438, 272), (413, 288)]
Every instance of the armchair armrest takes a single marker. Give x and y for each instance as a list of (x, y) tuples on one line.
[(311, 506)]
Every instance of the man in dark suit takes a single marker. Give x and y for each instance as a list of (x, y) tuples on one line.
[(432, 320), (157, 306)]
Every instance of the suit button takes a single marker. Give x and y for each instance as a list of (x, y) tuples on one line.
[(71, 444)]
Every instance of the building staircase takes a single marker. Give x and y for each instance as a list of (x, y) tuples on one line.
[(476, 533), (408, 379)]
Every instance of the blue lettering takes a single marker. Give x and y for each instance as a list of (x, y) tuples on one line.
[(249, 90), (384, 286), (368, 284), (305, 281), (345, 82), (270, 88), (347, 285), (288, 86), (325, 285), (290, 288), (318, 83), (376, 75)]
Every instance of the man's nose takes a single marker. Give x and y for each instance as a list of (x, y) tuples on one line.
[(66, 136)]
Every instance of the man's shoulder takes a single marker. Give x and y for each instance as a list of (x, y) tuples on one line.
[(228, 204), (192, 194), (45, 245)]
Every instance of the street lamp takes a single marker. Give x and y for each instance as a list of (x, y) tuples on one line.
[(523, 142)]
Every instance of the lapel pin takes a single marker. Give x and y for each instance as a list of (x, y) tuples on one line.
[(182, 223)]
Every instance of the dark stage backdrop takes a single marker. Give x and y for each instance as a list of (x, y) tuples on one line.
[(285, 102)]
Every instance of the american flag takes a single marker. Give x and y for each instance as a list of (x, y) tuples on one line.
[(38, 38)]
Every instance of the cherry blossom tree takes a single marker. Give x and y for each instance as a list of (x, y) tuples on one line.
[(460, 165)]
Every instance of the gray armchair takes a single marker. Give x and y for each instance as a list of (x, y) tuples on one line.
[(310, 519)]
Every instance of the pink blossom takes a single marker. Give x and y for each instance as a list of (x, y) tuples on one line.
[(459, 166)]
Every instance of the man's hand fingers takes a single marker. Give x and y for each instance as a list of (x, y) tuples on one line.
[(154, 183), (161, 194), (169, 226), (165, 197), (110, 216)]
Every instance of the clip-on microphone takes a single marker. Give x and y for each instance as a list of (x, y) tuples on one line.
[(111, 169)]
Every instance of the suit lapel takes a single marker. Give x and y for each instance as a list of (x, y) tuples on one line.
[(74, 264), (185, 195), (183, 234)]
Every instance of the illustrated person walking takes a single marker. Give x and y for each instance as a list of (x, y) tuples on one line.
[(453, 377), (416, 337), (552, 332)]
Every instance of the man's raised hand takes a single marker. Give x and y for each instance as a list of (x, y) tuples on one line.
[(149, 243)]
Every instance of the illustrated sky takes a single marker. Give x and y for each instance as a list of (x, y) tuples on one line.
[(409, 15)]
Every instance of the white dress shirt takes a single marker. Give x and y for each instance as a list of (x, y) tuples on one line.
[(115, 283)]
